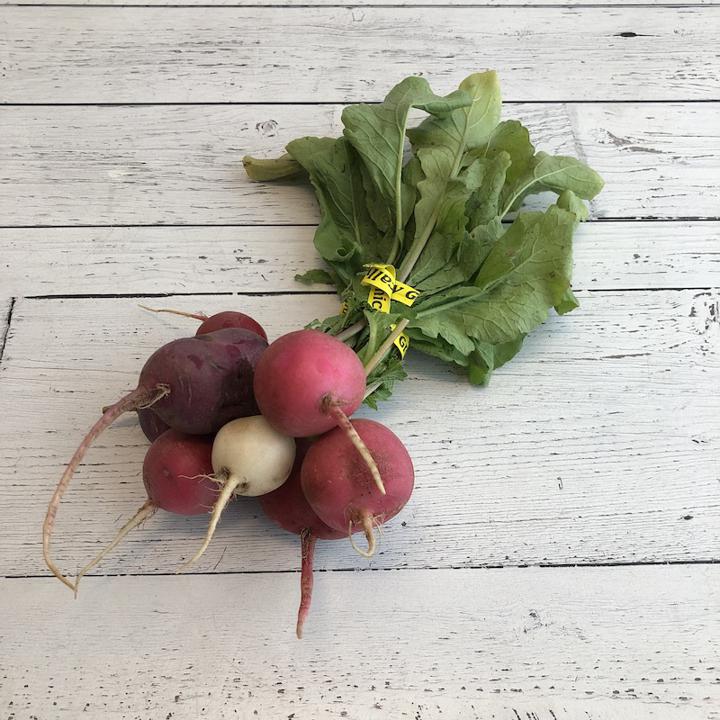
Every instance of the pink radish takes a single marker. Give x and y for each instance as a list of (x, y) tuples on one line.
[(195, 385), (176, 475), (340, 489), (288, 508), (308, 382), (218, 321)]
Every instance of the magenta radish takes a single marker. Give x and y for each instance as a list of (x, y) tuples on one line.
[(288, 508), (176, 475), (195, 385), (218, 321), (340, 489), (249, 457), (308, 382)]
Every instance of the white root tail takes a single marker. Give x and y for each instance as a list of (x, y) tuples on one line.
[(344, 422), (220, 504), (147, 510), (140, 397), (368, 528), (197, 316)]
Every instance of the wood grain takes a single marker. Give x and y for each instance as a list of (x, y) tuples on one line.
[(528, 644), (145, 54), (182, 164), (143, 260), (598, 444), (356, 3)]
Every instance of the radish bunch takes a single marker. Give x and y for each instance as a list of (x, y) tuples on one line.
[(428, 245), (223, 410)]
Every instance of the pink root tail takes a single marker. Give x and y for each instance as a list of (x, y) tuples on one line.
[(307, 545), (140, 397)]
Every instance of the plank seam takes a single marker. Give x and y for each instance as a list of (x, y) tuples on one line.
[(590, 221), (544, 566), (308, 103), (6, 332), (315, 293)]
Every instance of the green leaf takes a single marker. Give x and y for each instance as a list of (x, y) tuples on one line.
[(524, 275), (271, 169), (440, 143), (315, 277), (556, 173), (388, 373), (346, 236), (488, 177), (487, 358), (377, 132), (569, 201), (509, 137)]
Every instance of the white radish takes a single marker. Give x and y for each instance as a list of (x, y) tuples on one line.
[(249, 457)]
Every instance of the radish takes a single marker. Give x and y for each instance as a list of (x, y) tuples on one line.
[(195, 385), (151, 425), (218, 321), (249, 457), (288, 508), (176, 475), (308, 382), (341, 490)]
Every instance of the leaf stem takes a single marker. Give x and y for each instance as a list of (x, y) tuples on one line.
[(351, 330), (377, 358)]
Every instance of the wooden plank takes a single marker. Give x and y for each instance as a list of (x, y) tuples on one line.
[(534, 644), (598, 443), (182, 164), (138, 260), (356, 3), (145, 54)]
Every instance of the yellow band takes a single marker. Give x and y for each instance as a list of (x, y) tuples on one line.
[(382, 278)]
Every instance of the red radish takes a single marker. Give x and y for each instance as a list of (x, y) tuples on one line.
[(308, 382), (340, 489), (151, 425), (195, 385), (249, 457), (176, 475), (218, 321), (288, 508)]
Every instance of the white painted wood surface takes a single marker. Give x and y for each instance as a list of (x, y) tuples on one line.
[(558, 462), (123, 55), (182, 164), (146, 260), (598, 445), (356, 3), (535, 644)]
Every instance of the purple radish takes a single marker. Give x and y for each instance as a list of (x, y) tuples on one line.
[(195, 385)]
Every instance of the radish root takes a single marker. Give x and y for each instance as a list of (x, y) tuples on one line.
[(147, 510), (307, 547), (344, 422), (196, 316), (368, 527), (222, 501), (140, 397)]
